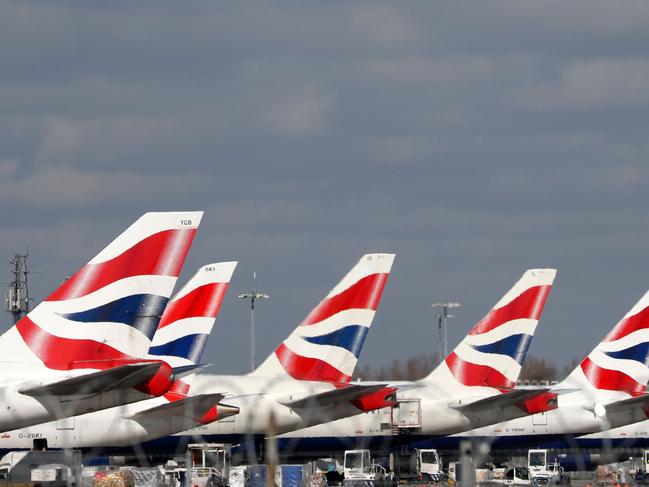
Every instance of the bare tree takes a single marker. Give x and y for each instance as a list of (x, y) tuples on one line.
[(570, 367), (413, 369), (420, 366), (536, 368)]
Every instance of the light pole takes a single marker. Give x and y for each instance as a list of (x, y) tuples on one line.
[(253, 296), (442, 316)]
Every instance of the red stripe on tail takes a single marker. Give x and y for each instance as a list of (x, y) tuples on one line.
[(66, 353), (307, 368), (529, 304), (471, 374), (611, 380), (628, 325), (161, 254), (204, 301), (364, 294)]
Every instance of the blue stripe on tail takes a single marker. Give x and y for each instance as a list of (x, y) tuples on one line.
[(141, 311), (189, 347), (351, 338), (639, 353), (514, 346)]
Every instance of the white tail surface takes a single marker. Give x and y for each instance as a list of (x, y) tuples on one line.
[(111, 307), (189, 317), (326, 345), (620, 361), (492, 354)]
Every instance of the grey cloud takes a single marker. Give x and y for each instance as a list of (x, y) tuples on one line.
[(593, 85), (474, 142)]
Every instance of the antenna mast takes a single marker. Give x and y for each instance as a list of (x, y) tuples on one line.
[(17, 296)]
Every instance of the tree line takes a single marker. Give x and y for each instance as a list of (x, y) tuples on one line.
[(419, 366)]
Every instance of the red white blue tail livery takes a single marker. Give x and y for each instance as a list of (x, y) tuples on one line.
[(493, 352), (621, 360), (190, 315), (469, 389), (100, 319), (179, 341), (187, 323), (110, 308), (606, 390), (326, 345)]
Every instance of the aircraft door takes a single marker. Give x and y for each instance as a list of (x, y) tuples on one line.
[(540, 419), (408, 413), (65, 424)]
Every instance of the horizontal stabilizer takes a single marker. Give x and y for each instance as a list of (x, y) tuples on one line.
[(514, 397), (188, 412), (185, 370), (120, 377), (344, 394), (628, 405)]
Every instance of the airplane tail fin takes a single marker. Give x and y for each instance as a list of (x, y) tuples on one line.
[(110, 308), (493, 352), (620, 362), (326, 345), (188, 319)]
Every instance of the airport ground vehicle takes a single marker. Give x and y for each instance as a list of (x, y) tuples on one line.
[(429, 464), (358, 466), (420, 464), (542, 471), (209, 464)]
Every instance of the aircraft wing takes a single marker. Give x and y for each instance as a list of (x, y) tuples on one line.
[(530, 400), (120, 377), (186, 413), (344, 394)]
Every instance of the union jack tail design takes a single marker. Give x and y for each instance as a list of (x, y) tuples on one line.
[(109, 310), (188, 319), (493, 352), (326, 345), (621, 360)]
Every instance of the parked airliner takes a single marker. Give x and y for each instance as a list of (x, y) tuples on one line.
[(83, 348), (179, 340)]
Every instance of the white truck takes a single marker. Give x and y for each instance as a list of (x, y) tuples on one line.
[(541, 471), (358, 467), (429, 465)]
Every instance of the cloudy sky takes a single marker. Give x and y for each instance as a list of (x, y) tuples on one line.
[(473, 139)]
